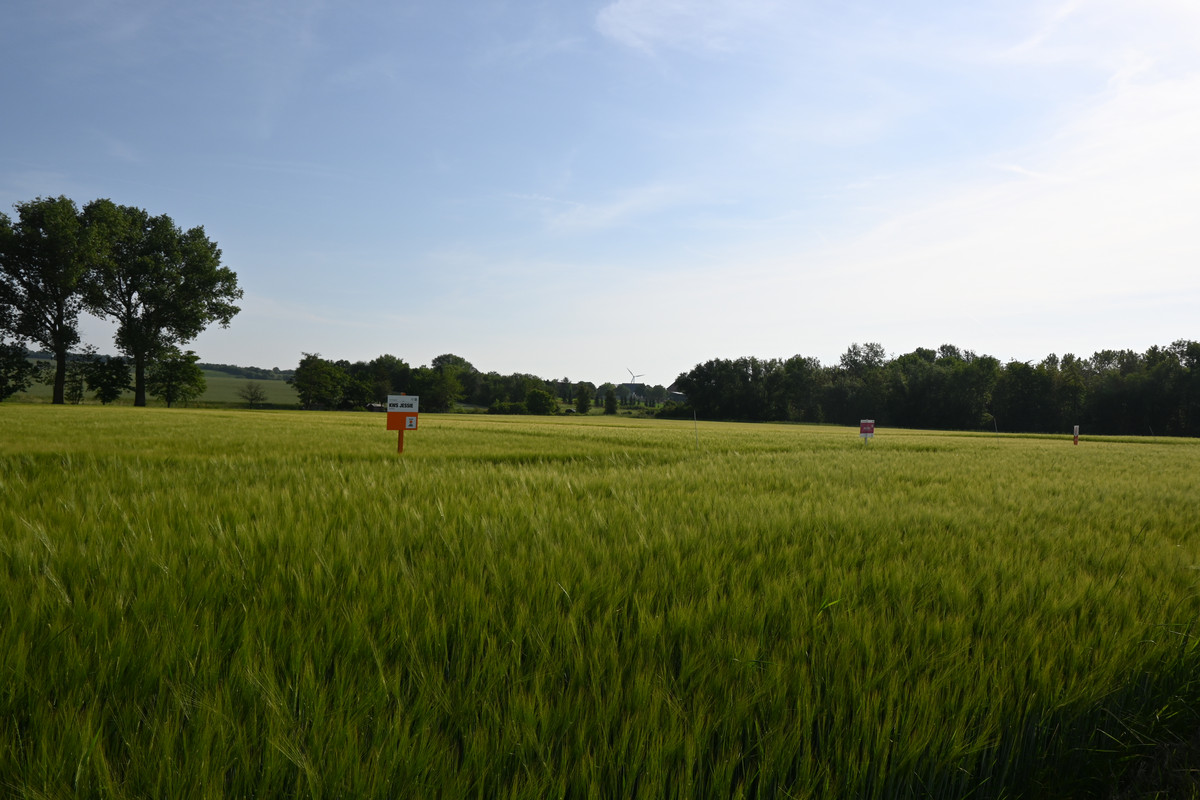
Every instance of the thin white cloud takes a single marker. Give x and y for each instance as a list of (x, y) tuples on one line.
[(1102, 218), (699, 25), (628, 208)]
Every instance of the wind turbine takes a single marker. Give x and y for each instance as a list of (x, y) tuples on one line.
[(632, 380)]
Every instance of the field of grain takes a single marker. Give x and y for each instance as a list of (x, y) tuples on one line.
[(203, 603)]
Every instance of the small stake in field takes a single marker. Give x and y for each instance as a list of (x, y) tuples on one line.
[(866, 429), (1076, 434), (402, 415)]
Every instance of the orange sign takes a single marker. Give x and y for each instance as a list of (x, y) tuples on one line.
[(402, 412), (402, 415)]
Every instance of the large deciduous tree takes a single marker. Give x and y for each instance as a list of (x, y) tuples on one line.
[(320, 383), (162, 285), (45, 256)]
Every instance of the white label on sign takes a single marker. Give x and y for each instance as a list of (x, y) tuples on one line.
[(403, 402), (410, 423)]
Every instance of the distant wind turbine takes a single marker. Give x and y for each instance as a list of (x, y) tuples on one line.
[(633, 382)]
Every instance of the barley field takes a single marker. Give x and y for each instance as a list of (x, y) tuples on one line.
[(223, 603)]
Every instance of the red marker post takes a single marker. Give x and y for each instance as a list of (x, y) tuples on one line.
[(1076, 434), (866, 429), (402, 415)]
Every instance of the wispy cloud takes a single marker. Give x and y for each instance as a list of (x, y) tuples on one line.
[(698, 25), (627, 208)]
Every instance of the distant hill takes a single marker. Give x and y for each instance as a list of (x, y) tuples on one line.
[(250, 373), (245, 373)]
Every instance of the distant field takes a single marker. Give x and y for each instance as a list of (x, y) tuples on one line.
[(222, 388), (232, 604)]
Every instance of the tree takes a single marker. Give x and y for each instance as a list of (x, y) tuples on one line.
[(610, 400), (389, 375), (462, 380), (1023, 398), (319, 382), (583, 398), (45, 257), (540, 401), (176, 378), (358, 389), (162, 285), (16, 372), (438, 387), (108, 377), (803, 380), (252, 392), (76, 385)]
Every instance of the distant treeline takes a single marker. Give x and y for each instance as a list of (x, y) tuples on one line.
[(251, 373), (451, 380), (1112, 392)]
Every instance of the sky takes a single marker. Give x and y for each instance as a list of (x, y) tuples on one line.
[(598, 188)]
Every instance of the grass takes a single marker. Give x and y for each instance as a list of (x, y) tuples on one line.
[(203, 603), (221, 390)]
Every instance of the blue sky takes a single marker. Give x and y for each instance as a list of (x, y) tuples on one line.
[(581, 188)]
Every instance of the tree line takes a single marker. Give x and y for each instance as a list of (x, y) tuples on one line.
[(161, 285), (450, 380), (1112, 392)]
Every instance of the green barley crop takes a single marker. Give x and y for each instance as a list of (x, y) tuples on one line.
[(201, 604)]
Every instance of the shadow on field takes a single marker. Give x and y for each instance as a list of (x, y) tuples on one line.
[(1142, 741)]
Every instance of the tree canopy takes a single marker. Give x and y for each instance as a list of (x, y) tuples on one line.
[(46, 255), (1112, 392), (161, 285), (176, 378), (16, 372)]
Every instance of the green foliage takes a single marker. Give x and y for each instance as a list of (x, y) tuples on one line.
[(108, 377), (386, 375), (505, 407), (17, 373), (438, 387), (319, 382), (44, 259), (540, 401), (610, 400), (1113, 392), (584, 607), (162, 285), (76, 384), (176, 378), (249, 373), (583, 398)]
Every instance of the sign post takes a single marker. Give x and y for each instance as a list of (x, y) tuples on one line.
[(1076, 435), (866, 429), (402, 415)]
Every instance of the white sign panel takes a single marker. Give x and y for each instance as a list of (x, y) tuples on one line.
[(402, 403)]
